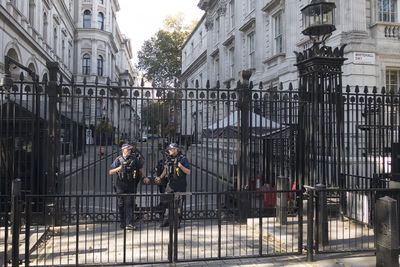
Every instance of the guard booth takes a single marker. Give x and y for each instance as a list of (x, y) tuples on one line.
[(22, 152)]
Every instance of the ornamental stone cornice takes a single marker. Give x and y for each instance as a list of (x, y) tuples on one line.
[(221, 11), (248, 25), (203, 4), (209, 24), (229, 40), (272, 4)]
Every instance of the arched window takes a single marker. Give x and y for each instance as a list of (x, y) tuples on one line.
[(13, 54), (44, 78), (45, 26), (31, 66), (100, 66), (87, 17), (100, 20), (86, 64)]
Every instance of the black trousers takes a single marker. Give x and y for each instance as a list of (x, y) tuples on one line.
[(165, 202), (126, 204)]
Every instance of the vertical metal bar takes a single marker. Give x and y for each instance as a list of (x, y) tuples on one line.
[(171, 230), (125, 201), (176, 203), (28, 208), (310, 225), (15, 219), (300, 220), (77, 231), (6, 225), (51, 91), (219, 213), (260, 224)]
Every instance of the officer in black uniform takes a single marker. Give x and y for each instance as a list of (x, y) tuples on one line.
[(127, 168), (137, 154), (175, 170), (159, 170)]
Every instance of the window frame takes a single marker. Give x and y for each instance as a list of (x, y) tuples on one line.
[(100, 66), (31, 12), (98, 108), (217, 28), (278, 35), (388, 80), (55, 39), (87, 19), (45, 26), (86, 64), (251, 48), (231, 54), (392, 12), (216, 68), (86, 107), (232, 14), (100, 21)]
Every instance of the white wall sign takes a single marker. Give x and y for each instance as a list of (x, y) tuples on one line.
[(364, 58)]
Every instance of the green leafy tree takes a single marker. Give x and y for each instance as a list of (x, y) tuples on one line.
[(161, 117), (160, 58)]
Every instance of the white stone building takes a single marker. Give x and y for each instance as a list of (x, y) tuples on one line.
[(262, 35), (81, 35)]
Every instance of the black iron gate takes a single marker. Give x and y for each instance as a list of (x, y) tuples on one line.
[(60, 136)]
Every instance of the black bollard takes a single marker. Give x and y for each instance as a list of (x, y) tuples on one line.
[(387, 232), (281, 199)]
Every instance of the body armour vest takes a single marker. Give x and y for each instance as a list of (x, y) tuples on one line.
[(128, 171), (174, 173)]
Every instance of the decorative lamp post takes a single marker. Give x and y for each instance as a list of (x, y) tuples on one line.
[(319, 19), (320, 91)]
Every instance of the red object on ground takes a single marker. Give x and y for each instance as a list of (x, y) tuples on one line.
[(269, 198)]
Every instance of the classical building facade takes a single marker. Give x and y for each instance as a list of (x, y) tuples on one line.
[(262, 34), (82, 36)]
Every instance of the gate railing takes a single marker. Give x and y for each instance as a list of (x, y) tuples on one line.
[(86, 230), (343, 220)]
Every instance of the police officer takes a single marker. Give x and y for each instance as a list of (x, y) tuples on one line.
[(127, 167), (137, 154), (175, 170), (160, 168)]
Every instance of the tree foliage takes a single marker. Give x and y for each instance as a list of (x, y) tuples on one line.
[(161, 116), (160, 57)]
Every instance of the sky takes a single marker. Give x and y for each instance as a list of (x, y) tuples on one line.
[(140, 19)]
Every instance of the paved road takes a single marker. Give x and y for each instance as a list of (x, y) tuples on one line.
[(88, 174), (327, 260)]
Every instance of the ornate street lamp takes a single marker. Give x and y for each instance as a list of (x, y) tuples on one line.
[(320, 89), (319, 20)]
